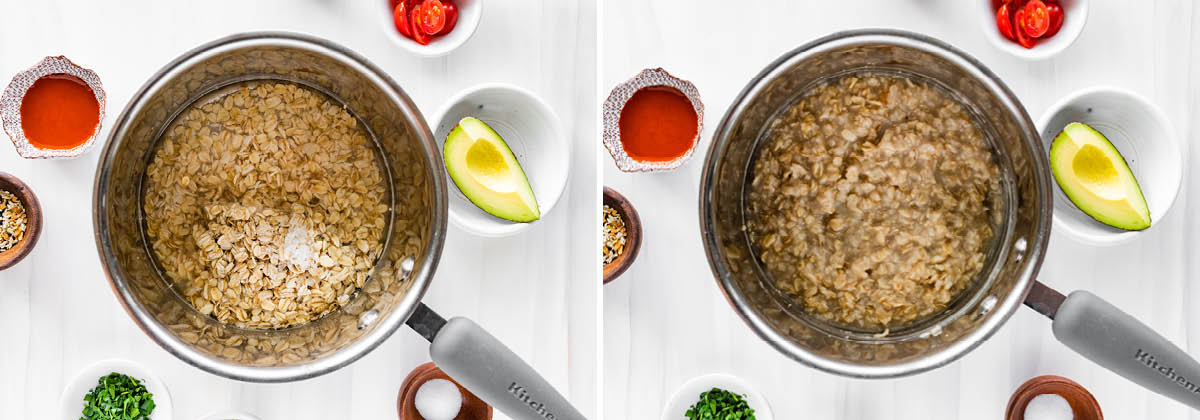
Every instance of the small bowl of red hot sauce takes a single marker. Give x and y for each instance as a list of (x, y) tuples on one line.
[(652, 122), (53, 109)]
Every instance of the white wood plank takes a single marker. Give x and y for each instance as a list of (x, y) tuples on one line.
[(666, 322), (533, 291)]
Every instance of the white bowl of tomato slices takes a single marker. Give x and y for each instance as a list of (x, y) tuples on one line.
[(1033, 29), (428, 28)]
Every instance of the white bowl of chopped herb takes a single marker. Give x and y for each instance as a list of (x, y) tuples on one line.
[(704, 396), (115, 389)]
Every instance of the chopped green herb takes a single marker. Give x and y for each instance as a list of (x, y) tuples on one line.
[(118, 397), (720, 404)]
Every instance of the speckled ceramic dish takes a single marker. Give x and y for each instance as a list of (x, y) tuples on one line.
[(616, 103), (10, 105)]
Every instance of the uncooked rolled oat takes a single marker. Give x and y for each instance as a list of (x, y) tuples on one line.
[(266, 206)]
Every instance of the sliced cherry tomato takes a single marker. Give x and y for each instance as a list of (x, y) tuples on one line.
[(400, 18), (1057, 17), (432, 17), (1022, 37), (417, 33), (1004, 22), (1037, 19), (451, 12)]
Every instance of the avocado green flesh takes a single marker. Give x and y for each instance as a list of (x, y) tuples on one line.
[(486, 171), (1096, 178)]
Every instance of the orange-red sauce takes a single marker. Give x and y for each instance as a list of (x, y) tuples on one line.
[(658, 124), (59, 112)]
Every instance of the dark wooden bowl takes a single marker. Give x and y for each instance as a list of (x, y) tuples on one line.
[(473, 408), (33, 215), (633, 234), (1082, 402)]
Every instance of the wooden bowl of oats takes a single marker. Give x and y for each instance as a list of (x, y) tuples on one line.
[(20, 220), (622, 237)]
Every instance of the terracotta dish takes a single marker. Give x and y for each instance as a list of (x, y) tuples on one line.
[(33, 214), (473, 408), (633, 234), (1082, 402)]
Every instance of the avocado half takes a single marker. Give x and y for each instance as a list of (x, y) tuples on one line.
[(486, 171), (1096, 178)]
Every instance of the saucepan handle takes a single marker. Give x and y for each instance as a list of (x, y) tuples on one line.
[(1099, 331), (485, 366)]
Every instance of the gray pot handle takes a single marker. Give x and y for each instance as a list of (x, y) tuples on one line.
[(1113, 339), (487, 368)]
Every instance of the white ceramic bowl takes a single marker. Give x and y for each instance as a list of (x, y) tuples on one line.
[(1075, 12), (71, 402), (469, 14), (230, 415), (534, 134), (689, 393), (1143, 135)]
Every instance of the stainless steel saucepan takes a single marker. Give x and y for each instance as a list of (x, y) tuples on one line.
[(1082, 321), (393, 292)]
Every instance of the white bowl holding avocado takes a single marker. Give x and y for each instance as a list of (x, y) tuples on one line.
[(1141, 135), (71, 402), (497, 119)]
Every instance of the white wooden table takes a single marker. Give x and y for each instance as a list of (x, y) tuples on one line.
[(666, 322), (535, 291)]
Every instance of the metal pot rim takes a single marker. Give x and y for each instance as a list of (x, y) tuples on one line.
[(1003, 309), (336, 359)]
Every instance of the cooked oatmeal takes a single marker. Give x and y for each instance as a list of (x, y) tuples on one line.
[(871, 201), (266, 207)]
